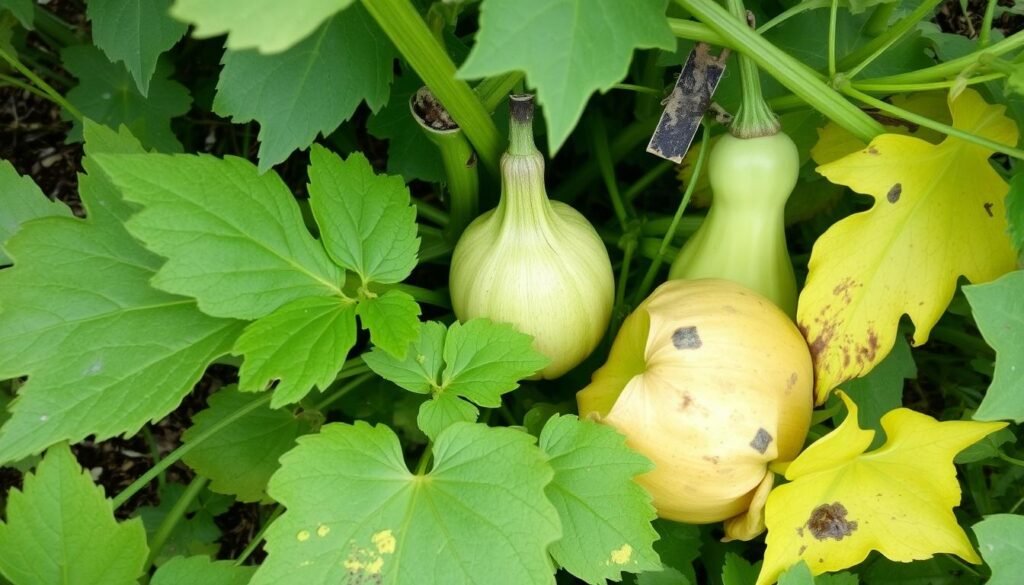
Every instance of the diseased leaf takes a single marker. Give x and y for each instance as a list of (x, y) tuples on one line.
[(1001, 542), (606, 516), (568, 48), (842, 502), (240, 458), (355, 512), (106, 93), (999, 310), (21, 201), (134, 32), (311, 88), (201, 570), (301, 345), (234, 239), (60, 528), (393, 320), (268, 25), (79, 318), (938, 214), (366, 220)]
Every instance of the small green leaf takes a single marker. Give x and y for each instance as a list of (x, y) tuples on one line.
[(134, 32), (666, 576), (366, 220), (240, 458), (312, 87), (798, 574), (679, 546), (420, 371), (21, 201), (986, 448), (302, 344), (606, 516), (194, 534), (201, 570), (568, 48), (353, 507), (106, 93), (393, 321), (739, 571), (442, 411), (836, 579), (268, 25), (1015, 211), (484, 360), (21, 9), (60, 528), (1001, 542), (999, 310), (234, 239)]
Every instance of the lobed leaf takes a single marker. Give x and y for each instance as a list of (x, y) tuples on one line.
[(999, 310), (22, 201), (134, 32)]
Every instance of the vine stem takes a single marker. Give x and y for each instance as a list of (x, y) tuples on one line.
[(341, 392), (53, 94), (258, 537), (18, 84), (985, 35), (833, 16), (932, 124), (793, 11), (891, 35), (890, 88), (493, 91), (174, 516), (753, 118), (607, 168), (953, 67), (412, 37)]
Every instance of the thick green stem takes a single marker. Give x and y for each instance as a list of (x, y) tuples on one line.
[(695, 31), (411, 36), (887, 88), (794, 10), (954, 67), (428, 211), (832, 18), (494, 90), (795, 76), (985, 35), (878, 22), (892, 34), (174, 516), (457, 157), (754, 118)]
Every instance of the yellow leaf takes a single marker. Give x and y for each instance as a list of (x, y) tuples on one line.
[(842, 503), (938, 214)]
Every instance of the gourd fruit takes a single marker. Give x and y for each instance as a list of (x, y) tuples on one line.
[(743, 237), (711, 382), (534, 263)]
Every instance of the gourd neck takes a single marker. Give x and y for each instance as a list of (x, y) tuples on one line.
[(524, 199)]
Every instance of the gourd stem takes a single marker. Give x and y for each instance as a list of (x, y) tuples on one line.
[(878, 22), (754, 117), (520, 125)]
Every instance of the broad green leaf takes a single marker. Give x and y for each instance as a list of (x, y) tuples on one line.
[(678, 546), (393, 320), (366, 220), (410, 152), (202, 571), (987, 448), (60, 528), (484, 360), (268, 25), (196, 533), (940, 570), (442, 411), (21, 201), (79, 318), (881, 390), (1001, 542), (134, 32), (568, 49), (420, 370), (21, 9), (836, 579), (842, 502), (240, 458), (301, 345), (798, 574), (312, 87), (606, 516), (106, 93), (938, 214), (355, 512), (1015, 212), (666, 576), (738, 571), (234, 239), (999, 310)]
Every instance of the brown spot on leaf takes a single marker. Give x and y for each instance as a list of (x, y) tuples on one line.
[(829, 521), (872, 150), (761, 441), (866, 353), (894, 193), (686, 338), (988, 209), (803, 547)]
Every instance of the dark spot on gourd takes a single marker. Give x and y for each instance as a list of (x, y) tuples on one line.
[(686, 338), (988, 209), (761, 441), (685, 402), (712, 459), (793, 378), (829, 521), (894, 193)]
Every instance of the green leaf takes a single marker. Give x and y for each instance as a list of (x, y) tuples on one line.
[(393, 320), (240, 458), (442, 411), (1015, 211), (1001, 542), (353, 506), (666, 576), (606, 516), (367, 222), (420, 370), (106, 93), (302, 344), (21, 9), (999, 310), (739, 571), (79, 318), (798, 574), (196, 533), (134, 32), (410, 152), (234, 239), (986, 448), (568, 48), (836, 579), (61, 529), (21, 201), (679, 546), (201, 570), (312, 87), (268, 25), (484, 360), (940, 570)]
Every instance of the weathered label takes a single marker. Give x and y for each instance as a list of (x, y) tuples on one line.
[(687, 104)]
